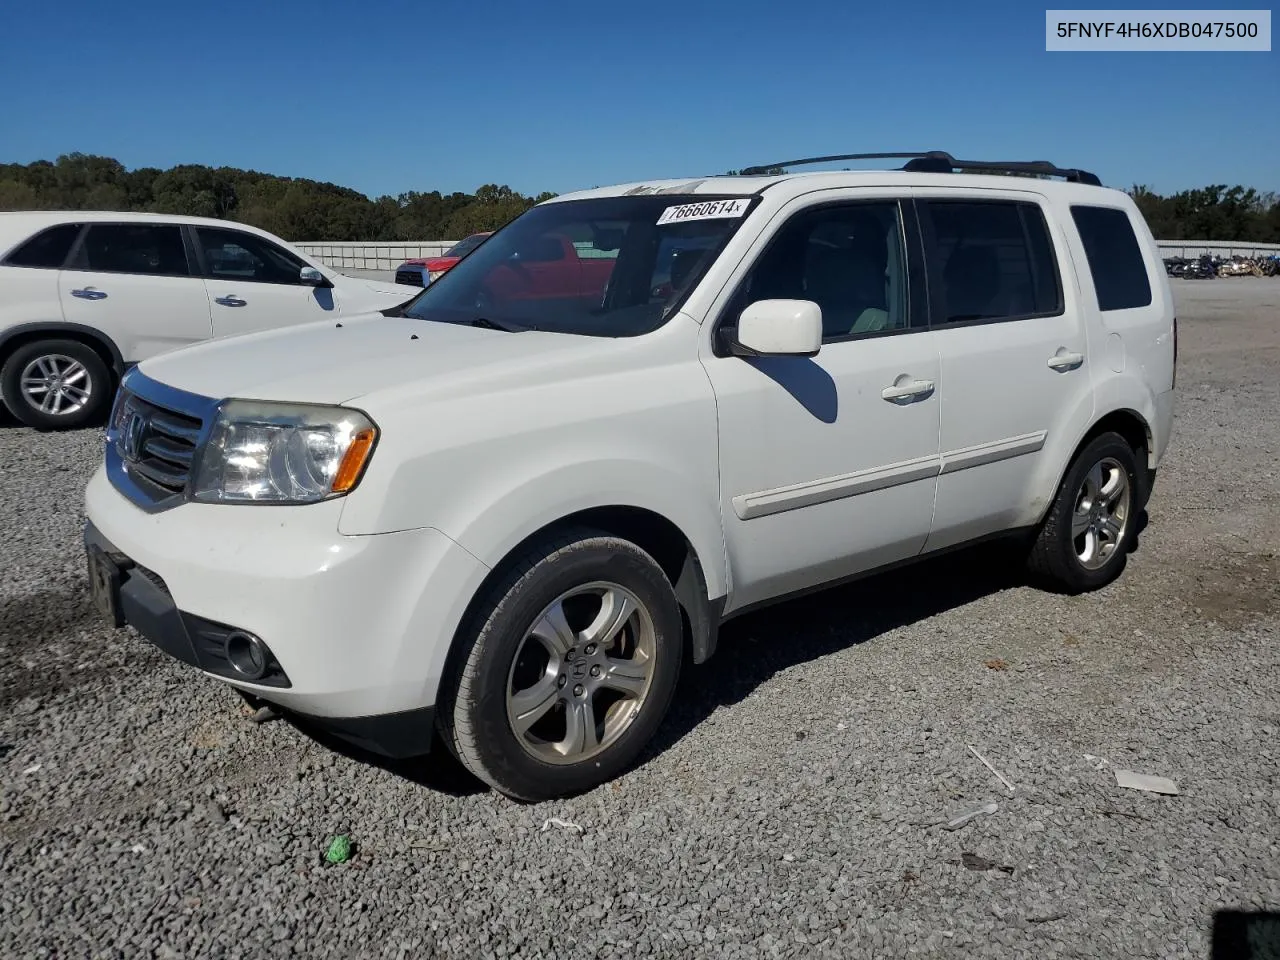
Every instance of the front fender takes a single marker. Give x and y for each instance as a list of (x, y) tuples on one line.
[(490, 527)]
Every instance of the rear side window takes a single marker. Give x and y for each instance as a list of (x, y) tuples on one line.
[(994, 259), (1115, 259), (140, 248), (48, 248)]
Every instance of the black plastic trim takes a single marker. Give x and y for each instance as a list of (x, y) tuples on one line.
[(118, 365), (939, 161), (1013, 535), (396, 736)]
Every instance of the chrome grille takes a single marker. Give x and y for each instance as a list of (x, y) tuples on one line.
[(157, 445), (152, 441)]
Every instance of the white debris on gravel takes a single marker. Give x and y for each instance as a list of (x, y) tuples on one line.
[(1143, 781), (733, 839)]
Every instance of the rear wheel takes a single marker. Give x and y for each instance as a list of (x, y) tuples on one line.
[(1087, 534), (55, 384), (569, 669)]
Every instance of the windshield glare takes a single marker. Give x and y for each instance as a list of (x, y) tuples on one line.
[(601, 267)]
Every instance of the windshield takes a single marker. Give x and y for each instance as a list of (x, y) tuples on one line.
[(605, 267), (463, 247)]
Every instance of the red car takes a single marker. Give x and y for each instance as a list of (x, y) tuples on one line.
[(419, 273)]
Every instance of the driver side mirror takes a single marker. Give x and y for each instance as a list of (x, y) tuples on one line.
[(312, 277), (779, 328)]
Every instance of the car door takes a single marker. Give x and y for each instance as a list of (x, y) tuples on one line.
[(134, 282), (253, 284), (1010, 332), (828, 464)]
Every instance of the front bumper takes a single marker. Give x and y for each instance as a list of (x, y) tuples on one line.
[(357, 627)]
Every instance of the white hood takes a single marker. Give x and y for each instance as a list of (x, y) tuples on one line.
[(401, 291), (337, 361)]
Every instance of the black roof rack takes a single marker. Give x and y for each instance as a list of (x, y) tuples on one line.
[(939, 161)]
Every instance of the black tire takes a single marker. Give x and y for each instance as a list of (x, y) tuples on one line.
[(472, 712), (1054, 560), (97, 380)]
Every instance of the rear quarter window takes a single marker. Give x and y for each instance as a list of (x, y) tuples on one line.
[(48, 248), (1115, 258)]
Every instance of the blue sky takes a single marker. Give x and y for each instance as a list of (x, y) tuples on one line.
[(387, 96)]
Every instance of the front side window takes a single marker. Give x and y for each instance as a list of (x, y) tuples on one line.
[(995, 260), (233, 255), (140, 248), (605, 267), (47, 249), (1115, 259), (848, 259)]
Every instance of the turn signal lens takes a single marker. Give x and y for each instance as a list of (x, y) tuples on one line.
[(353, 461)]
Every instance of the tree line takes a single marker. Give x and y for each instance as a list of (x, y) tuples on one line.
[(304, 210)]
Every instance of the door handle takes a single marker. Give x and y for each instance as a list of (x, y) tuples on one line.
[(1065, 361), (231, 300), (88, 293), (909, 390)]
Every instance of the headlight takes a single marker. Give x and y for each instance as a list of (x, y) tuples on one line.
[(260, 452), (434, 275)]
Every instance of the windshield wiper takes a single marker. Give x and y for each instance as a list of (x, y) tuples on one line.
[(504, 325)]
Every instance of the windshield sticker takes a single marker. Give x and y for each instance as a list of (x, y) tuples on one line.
[(710, 210)]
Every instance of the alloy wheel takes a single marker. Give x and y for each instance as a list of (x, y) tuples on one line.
[(581, 673)]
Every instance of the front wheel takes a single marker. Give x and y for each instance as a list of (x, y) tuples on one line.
[(569, 668), (55, 384), (1088, 532)]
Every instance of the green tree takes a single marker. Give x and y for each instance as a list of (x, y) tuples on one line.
[(301, 210)]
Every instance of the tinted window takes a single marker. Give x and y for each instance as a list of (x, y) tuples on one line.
[(232, 255), (133, 248), (996, 260), (49, 248), (1115, 259), (848, 260)]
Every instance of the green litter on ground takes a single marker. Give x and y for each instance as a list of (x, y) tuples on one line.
[(339, 850)]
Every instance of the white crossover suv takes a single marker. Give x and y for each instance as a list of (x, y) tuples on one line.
[(83, 296), (509, 514)]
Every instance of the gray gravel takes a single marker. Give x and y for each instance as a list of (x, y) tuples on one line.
[(791, 807)]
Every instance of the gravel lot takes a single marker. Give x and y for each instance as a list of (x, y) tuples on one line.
[(791, 807)]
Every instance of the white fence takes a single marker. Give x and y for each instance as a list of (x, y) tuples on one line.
[(385, 257), (1216, 248), (373, 256)]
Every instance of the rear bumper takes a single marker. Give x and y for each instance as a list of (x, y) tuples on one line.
[(1163, 427)]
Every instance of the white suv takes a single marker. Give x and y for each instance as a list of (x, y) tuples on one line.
[(85, 295), (510, 516)]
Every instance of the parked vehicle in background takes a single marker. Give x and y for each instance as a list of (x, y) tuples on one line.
[(1236, 267), (511, 509), (1267, 266), (83, 296), (420, 272), (1198, 268)]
